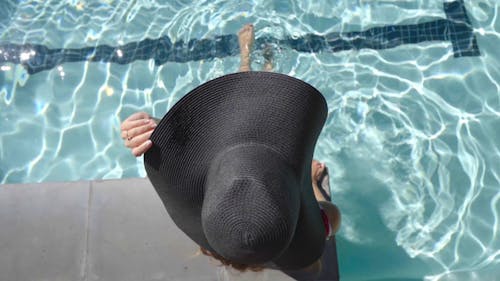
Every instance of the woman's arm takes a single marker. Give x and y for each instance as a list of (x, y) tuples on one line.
[(314, 268), (331, 210), (333, 214)]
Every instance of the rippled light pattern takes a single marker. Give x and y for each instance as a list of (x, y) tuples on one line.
[(412, 138), (456, 28)]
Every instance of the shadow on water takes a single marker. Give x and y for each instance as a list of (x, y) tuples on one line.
[(369, 263), (376, 256)]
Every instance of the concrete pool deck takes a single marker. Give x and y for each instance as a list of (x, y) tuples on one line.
[(96, 230)]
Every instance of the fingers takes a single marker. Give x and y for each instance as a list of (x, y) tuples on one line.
[(133, 120), (150, 124), (136, 131), (137, 116), (138, 151), (137, 127), (129, 123), (138, 140), (317, 170)]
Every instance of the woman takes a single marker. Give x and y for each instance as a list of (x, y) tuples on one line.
[(180, 131)]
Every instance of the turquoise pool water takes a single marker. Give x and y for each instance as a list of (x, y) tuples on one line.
[(412, 138)]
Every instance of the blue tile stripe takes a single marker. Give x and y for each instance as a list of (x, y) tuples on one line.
[(456, 28), (460, 30)]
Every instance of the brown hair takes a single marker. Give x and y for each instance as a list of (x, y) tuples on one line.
[(238, 266)]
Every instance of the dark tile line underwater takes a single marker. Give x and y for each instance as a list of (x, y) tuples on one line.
[(456, 28)]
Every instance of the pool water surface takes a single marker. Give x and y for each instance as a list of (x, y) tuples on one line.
[(412, 138)]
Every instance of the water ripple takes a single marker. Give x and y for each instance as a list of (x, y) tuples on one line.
[(411, 139)]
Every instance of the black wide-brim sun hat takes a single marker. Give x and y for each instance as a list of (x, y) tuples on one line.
[(231, 161)]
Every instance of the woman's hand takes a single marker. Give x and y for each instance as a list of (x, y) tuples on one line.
[(136, 130), (317, 170), (320, 181)]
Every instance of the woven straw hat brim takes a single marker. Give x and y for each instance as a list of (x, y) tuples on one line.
[(281, 112)]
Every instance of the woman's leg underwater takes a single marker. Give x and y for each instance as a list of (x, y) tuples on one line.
[(245, 39)]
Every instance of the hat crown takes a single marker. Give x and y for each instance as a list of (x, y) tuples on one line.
[(247, 210), (274, 109)]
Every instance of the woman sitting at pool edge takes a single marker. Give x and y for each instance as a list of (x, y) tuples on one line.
[(136, 131)]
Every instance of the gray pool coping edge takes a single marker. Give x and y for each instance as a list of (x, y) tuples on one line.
[(97, 230)]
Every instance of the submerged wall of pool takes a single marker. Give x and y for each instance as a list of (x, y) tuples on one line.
[(412, 138)]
